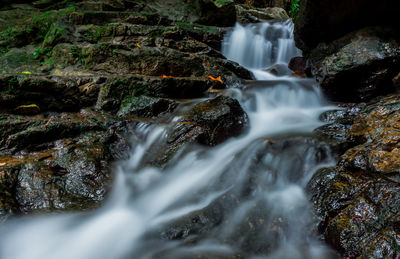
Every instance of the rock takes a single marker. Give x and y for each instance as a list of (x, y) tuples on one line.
[(299, 74), (279, 70), (58, 163), (214, 12), (357, 201), (339, 122), (30, 109), (396, 82), (129, 59), (348, 74), (144, 106), (41, 184), (358, 212), (209, 123), (208, 12), (376, 131), (114, 91), (285, 4), (49, 93), (297, 64), (247, 14), (320, 21), (58, 33), (220, 118), (17, 60)]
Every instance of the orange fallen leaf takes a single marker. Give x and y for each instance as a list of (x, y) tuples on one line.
[(138, 45), (165, 76), (216, 79), (1, 164)]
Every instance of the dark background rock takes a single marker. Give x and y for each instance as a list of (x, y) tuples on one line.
[(324, 21), (359, 66), (285, 4)]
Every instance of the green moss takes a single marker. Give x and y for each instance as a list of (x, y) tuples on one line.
[(223, 2), (54, 35), (34, 30), (97, 33), (294, 9), (197, 27)]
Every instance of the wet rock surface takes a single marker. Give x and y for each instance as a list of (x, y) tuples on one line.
[(77, 77), (359, 66), (357, 200), (207, 123), (355, 58)]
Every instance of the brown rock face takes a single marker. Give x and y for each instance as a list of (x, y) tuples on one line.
[(358, 200)]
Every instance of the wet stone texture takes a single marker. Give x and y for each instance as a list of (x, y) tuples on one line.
[(358, 200), (207, 123), (78, 77), (358, 66)]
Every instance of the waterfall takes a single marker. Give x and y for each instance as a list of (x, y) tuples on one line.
[(244, 198), (258, 46)]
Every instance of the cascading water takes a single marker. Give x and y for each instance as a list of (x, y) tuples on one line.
[(243, 198), (258, 46)]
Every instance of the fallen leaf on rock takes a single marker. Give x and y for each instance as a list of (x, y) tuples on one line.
[(216, 79), (165, 76), (138, 45)]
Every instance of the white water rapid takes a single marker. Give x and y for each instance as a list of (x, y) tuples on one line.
[(242, 199)]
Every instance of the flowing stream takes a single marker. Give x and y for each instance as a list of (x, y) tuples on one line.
[(244, 198)]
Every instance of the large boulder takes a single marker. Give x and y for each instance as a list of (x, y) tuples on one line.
[(56, 161), (208, 123), (358, 200), (323, 21), (358, 66), (49, 93)]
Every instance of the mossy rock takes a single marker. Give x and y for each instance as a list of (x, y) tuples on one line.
[(18, 60), (144, 106)]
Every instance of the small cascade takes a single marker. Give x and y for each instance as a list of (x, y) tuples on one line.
[(244, 198), (258, 46)]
